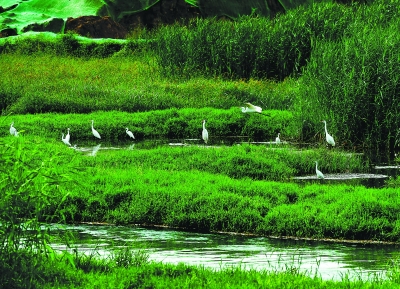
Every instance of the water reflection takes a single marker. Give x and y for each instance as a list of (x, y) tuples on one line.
[(328, 260)]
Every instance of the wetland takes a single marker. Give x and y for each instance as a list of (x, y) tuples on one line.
[(241, 182)]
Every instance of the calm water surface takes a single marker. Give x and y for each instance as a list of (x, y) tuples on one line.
[(326, 259)]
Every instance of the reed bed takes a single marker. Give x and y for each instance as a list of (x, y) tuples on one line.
[(356, 83)]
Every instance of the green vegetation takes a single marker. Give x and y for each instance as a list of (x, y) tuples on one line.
[(161, 124), (326, 61)]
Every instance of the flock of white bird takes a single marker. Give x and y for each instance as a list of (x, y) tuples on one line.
[(248, 109), (95, 133)]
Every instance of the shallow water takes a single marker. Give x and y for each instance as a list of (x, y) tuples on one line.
[(330, 261)]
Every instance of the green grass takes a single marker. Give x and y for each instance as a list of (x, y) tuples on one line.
[(357, 81), (38, 84), (158, 124)]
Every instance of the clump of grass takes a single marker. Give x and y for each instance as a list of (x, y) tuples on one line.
[(357, 78), (283, 45), (244, 161)]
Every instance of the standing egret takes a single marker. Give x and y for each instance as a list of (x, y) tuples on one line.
[(68, 136), (130, 133), (95, 132), (64, 140), (204, 134), (320, 175), (278, 140), (251, 108), (13, 130), (329, 138)]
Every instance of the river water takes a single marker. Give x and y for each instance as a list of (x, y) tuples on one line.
[(329, 260)]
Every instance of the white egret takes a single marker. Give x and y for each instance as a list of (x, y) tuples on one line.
[(130, 133), (205, 132), (95, 132), (68, 136), (13, 130), (278, 140), (64, 140), (251, 108), (329, 138), (320, 175)]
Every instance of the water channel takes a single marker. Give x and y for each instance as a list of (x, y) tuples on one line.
[(329, 260)]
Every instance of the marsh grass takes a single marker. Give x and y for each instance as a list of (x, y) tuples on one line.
[(161, 124), (283, 45), (45, 83), (239, 161), (359, 71), (354, 84), (345, 62)]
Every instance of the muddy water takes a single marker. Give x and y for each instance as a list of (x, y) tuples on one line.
[(330, 261)]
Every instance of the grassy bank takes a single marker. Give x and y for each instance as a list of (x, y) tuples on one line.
[(161, 124), (131, 269)]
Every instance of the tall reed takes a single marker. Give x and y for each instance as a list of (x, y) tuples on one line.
[(354, 84)]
